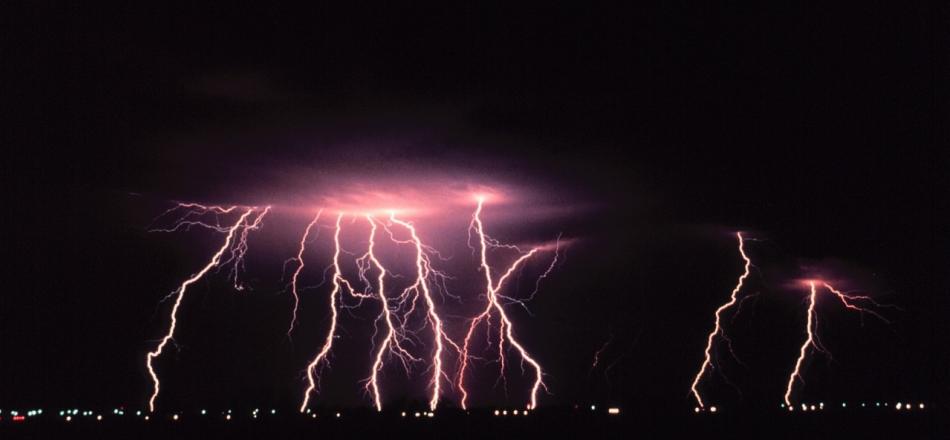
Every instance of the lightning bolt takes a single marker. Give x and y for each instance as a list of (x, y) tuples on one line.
[(717, 329), (300, 264), (237, 247), (313, 377), (395, 322), (809, 342), (811, 328), (391, 342), (492, 287), (423, 271)]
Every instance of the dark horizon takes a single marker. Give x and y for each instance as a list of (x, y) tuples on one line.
[(647, 137)]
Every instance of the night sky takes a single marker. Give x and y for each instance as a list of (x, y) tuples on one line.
[(646, 136)]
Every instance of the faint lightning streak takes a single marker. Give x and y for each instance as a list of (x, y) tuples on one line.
[(215, 260), (293, 279), (846, 300), (600, 352), (717, 329)]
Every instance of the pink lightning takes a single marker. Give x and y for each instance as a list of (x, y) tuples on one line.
[(391, 340), (237, 247), (312, 377), (300, 264), (717, 329), (423, 270), (397, 308), (811, 340), (505, 326)]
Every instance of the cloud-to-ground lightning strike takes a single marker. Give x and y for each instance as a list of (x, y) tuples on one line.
[(300, 264), (313, 377), (391, 342), (492, 287), (811, 329), (234, 241), (423, 269), (394, 314), (396, 335), (717, 328)]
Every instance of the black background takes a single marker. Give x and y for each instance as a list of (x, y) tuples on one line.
[(818, 129)]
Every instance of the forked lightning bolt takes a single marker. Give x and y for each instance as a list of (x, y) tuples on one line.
[(391, 341), (313, 377), (300, 264), (395, 312), (235, 241), (506, 332), (398, 307), (811, 329), (717, 328), (423, 271)]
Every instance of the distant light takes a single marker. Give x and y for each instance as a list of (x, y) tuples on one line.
[(613, 411), (273, 411), (898, 406), (593, 407), (402, 414), (313, 416), (791, 408), (906, 406), (61, 413), (504, 413), (712, 409), (844, 405), (431, 414), (175, 417), (878, 404), (525, 412), (146, 418), (863, 405), (417, 414), (99, 417), (138, 413), (338, 415), (39, 411), (515, 412), (227, 417), (804, 407), (921, 406), (696, 410), (812, 407), (781, 405), (497, 412), (203, 412)]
